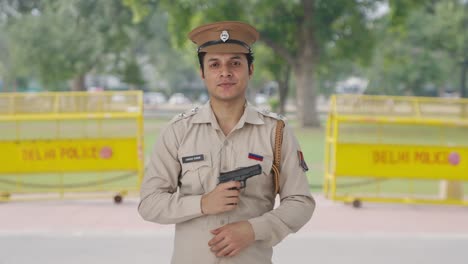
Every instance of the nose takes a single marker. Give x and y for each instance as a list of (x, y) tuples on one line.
[(226, 71)]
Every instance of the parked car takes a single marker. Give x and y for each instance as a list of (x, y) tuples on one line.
[(261, 99), (154, 98), (179, 98), (118, 98), (203, 98)]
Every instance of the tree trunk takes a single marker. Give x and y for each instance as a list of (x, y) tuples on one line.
[(463, 87), (283, 89), (463, 79), (306, 96), (304, 70), (463, 92), (303, 62), (78, 83)]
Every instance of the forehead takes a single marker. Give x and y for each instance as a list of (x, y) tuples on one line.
[(224, 56)]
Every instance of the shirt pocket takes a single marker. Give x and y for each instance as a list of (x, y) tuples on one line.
[(263, 182), (194, 174)]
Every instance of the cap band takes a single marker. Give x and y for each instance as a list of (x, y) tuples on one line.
[(216, 42)]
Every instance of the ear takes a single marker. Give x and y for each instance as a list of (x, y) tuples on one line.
[(202, 75), (251, 70)]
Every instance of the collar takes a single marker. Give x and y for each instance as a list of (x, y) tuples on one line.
[(205, 115), (252, 115)]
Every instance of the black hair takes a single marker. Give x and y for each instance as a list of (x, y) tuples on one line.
[(201, 56)]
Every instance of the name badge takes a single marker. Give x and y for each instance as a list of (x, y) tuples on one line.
[(193, 158)]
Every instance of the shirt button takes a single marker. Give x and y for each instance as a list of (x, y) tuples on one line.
[(226, 143), (222, 222)]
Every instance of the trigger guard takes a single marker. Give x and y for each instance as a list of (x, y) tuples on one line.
[(242, 184)]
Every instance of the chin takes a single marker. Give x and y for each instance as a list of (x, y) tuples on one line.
[(226, 98)]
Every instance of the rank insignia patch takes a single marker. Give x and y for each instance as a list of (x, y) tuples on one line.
[(302, 162), (255, 157)]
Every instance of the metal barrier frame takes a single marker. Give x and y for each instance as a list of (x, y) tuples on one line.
[(336, 118), (100, 112)]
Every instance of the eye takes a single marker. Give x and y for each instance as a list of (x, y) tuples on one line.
[(236, 63), (214, 65)]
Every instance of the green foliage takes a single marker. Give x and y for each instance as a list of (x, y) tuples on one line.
[(177, 68), (139, 8), (69, 38), (337, 30), (132, 74), (424, 57), (417, 46), (274, 103)]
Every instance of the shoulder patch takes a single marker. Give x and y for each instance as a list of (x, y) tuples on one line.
[(268, 113), (185, 114)]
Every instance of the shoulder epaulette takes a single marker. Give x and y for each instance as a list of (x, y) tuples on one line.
[(268, 113), (185, 114)]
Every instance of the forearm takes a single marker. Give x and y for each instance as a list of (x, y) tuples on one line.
[(293, 213), (169, 208)]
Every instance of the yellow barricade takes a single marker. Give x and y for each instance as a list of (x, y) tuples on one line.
[(396, 149), (70, 144)]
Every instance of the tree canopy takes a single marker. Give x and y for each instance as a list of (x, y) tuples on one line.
[(411, 47), (62, 40)]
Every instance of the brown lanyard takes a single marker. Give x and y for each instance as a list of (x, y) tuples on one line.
[(276, 168)]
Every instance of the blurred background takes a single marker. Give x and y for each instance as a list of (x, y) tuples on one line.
[(309, 51)]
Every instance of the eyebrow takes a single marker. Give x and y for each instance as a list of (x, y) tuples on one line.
[(236, 57)]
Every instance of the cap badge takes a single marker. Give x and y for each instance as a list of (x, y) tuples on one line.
[(224, 35)]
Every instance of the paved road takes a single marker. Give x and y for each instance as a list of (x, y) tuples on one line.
[(125, 248), (97, 231)]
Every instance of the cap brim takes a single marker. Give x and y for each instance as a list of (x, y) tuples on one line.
[(225, 48)]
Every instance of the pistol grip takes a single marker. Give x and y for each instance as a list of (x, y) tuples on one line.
[(241, 187)]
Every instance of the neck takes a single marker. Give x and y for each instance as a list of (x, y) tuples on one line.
[(228, 114)]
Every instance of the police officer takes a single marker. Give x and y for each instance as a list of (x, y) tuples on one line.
[(221, 223)]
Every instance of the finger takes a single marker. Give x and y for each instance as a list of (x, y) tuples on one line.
[(233, 201), (215, 240), (233, 193), (229, 207), (225, 251), (220, 246), (230, 184), (233, 253)]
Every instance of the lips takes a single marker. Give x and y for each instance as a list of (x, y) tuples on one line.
[(226, 84)]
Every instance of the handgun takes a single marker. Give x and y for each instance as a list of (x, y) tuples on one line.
[(241, 174)]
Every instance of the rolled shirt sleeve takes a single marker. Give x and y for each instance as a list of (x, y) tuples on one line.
[(296, 202), (160, 201)]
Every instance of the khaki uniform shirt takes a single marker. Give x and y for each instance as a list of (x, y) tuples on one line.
[(187, 160)]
